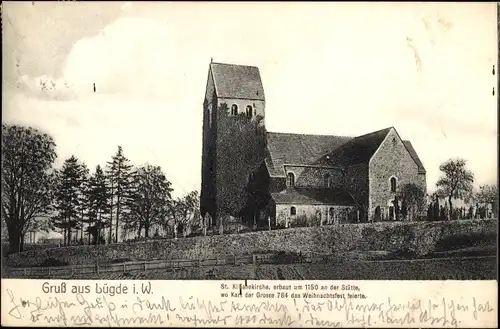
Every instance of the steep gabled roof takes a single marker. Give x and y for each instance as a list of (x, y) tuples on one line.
[(284, 148), (237, 81), (413, 154), (327, 196), (357, 150)]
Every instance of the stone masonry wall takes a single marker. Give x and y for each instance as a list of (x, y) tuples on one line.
[(312, 212), (418, 237), (314, 177), (391, 160), (257, 106)]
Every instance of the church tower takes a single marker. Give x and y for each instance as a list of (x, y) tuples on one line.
[(240, 88)]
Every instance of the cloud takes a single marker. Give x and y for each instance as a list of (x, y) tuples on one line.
[(150, 74)]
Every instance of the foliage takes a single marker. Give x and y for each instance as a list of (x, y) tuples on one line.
[(456, 182), (185, 212), (97, 199), (67, 197), (27, 179), (413, 200), (120, 178), (240, 151), (149, 199), (487, 194)]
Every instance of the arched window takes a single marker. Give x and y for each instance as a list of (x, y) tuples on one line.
[(290, 179), (326, 180), (293, 211), (249, 111), (234, 109), (393, 184)]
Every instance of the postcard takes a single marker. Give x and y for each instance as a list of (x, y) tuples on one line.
[(260, 164)]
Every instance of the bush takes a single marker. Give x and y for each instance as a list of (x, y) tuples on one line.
[(51, 262)]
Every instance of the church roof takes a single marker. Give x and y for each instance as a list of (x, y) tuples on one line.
[(285, 148), (357, 150), (415, 157), (237, 81), (298, 149), (327, 196)]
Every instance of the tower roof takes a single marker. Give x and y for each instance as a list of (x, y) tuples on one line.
[(237, 81)]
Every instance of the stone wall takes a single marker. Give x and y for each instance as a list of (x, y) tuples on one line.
[(258, 106), (315, 177), (392, 159), (312, 214), (357, 183), (416, 237)]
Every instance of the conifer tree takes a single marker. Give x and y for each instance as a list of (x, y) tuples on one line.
[(82, 206), (67, 197), (120, 177), (97, 199)]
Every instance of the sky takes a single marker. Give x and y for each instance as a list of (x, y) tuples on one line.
[(327, 68)]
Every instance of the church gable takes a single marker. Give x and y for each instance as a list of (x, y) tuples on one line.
[(237, 81)]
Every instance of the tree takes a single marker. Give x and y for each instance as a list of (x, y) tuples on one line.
[(456, 182), (120, 177), (82, 201), (67, 203), (241, 145), (413, 199), (187, 211), (487, 194), (98, 202), (38, 224), (150, 198), (27, 179)]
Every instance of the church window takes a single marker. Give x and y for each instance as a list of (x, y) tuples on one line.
[(234, 109), (293, 211), (290, 181), (393, 184), (249, 111), (327, 180)]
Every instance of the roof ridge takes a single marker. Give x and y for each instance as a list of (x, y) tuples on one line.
[(320, 135), (230, 64), (374, 132)]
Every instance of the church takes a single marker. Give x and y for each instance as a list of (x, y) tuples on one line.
[(306, 179)]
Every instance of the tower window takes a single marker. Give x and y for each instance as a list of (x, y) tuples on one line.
[(234, 109), (249, 111), (293, 211), (290, 179), (326, 180), (393, 184)]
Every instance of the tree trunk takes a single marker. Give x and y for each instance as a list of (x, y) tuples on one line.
[(110, 231), (146, 231), (117, 218), (21, 243), (14, 240), (451, 208)]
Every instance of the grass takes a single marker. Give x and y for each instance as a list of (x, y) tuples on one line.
[(456, 269)]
